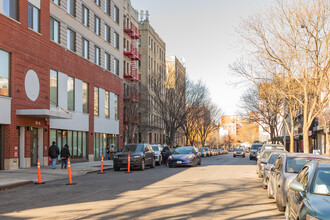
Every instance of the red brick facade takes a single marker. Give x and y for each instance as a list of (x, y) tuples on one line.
[(31, 50)]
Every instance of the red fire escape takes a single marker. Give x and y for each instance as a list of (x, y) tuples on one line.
[(132, 52)]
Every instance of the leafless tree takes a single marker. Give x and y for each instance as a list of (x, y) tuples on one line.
[(290, 40)]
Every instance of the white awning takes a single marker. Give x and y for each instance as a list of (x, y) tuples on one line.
[(44, 113)]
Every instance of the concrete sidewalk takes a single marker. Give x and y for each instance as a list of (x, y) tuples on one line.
[(13, 178)]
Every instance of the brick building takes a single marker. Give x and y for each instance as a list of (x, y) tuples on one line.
[(61, 79)]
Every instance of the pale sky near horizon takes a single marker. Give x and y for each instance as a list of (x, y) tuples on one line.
[(203, 32)]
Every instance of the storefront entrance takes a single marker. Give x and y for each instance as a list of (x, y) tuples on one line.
[(34, 146)]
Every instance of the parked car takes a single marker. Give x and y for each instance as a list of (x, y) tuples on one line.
[(208, 152), (262, 161), (239, 152), (284, 170), (220, 151), (271, 147), (270, 162), (254, 150), (309, 192), (185, 156), (203, 152), (157, 148), (141, 155)]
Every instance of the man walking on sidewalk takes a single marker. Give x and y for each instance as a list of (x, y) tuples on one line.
[(65, 154), (53, 152)]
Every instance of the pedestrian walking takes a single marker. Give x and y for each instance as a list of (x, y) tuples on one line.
[(108, 152), (53, 152), (65, 154)]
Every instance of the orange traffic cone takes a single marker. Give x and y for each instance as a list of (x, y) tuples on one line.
[(69, 172), (101, 172), (129, 164), (39, 174)]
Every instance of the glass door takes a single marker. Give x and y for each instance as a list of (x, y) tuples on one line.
[(34, 147)]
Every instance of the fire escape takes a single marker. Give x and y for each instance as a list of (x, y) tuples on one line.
[(132, 97)]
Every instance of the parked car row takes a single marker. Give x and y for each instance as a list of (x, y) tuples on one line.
[(142, 155), (208, 152), (300, 183)]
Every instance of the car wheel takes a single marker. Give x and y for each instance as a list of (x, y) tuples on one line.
[(263, 185), (116, 168), (153, 164), (279, 204), (200, 161), (142, 165), (269, 191), (234, 156), (194, 162), (259, 175), (250, 158)]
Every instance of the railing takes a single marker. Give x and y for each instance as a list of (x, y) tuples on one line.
[(132, 53), (132, 30)]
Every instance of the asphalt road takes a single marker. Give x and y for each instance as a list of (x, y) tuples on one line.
[(222, 188)]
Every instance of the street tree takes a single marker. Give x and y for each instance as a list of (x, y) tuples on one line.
[(290, 40)]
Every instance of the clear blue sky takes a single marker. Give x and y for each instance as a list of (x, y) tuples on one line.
[(203, 32)]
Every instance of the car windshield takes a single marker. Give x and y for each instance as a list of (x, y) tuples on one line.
[(183, 150), (273, 158), (133, 148), (295, 164), (321, 182), (239, 150), (155, 148), (255, 146), (266, 154)]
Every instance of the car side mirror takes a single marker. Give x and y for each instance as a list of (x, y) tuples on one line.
[(297, 186)]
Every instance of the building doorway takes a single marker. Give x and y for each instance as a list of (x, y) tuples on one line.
[(34, 146), (1, 150)]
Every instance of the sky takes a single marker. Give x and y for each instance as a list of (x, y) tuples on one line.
[(203, 32)]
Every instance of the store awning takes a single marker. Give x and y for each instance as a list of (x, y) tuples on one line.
[(44, 113)]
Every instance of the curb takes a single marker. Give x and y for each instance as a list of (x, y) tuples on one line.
[(95, 171), (14, 185)]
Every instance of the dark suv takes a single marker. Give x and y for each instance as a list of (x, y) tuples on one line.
[(254, 150), (141, 155)]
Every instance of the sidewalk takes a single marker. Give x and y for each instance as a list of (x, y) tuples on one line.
[(13, 178)]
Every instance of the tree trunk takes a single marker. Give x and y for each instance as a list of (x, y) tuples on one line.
[(306, 139)]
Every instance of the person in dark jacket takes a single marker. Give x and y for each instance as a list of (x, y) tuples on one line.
[(53, 152), (166, 152), (65, 154), (108, 152)]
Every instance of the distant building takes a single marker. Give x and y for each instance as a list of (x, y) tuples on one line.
[(153, 72)]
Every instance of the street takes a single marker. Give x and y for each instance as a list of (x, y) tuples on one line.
[(223, 187)]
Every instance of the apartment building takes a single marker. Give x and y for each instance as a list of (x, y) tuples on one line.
[(176, 79), (153, 72), (61, 79), (132, 76)]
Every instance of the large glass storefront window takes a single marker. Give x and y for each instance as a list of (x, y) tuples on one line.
[(101, 141), (76, 140), (4, 73), (70, 90), (85, 97), (53, 88)]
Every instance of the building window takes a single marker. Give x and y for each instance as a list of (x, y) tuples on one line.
[(71, 40), (54, 30), (10, 8), (56, 2), (116, 108), (107, 104), (116, 40), (4, 73), (98, 2), (116, 66), (85, 97), (97, 25), (71, 7), (70, 90), (116, 14), (107, 33), (97, 55), (96, 101), (85, 48), (107, 6), (53, 88), (33, 18), (85, 17), (107, 61)]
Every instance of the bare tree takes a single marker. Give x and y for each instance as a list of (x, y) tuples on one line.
[(291, 40)]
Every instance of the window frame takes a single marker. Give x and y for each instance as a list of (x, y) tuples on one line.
[(51, 103), (97, 25), (107, 33), (84, 49), (52, 30), (9, 73), (73, 93), (107, 55), (107, 102), (116, 14), (73, 33), (107, 7), (85, 20), (12, 3), (73, 3), (87, 96), (97, 101), (97, 55), (31, 19), (116, 66), (116, 40)]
